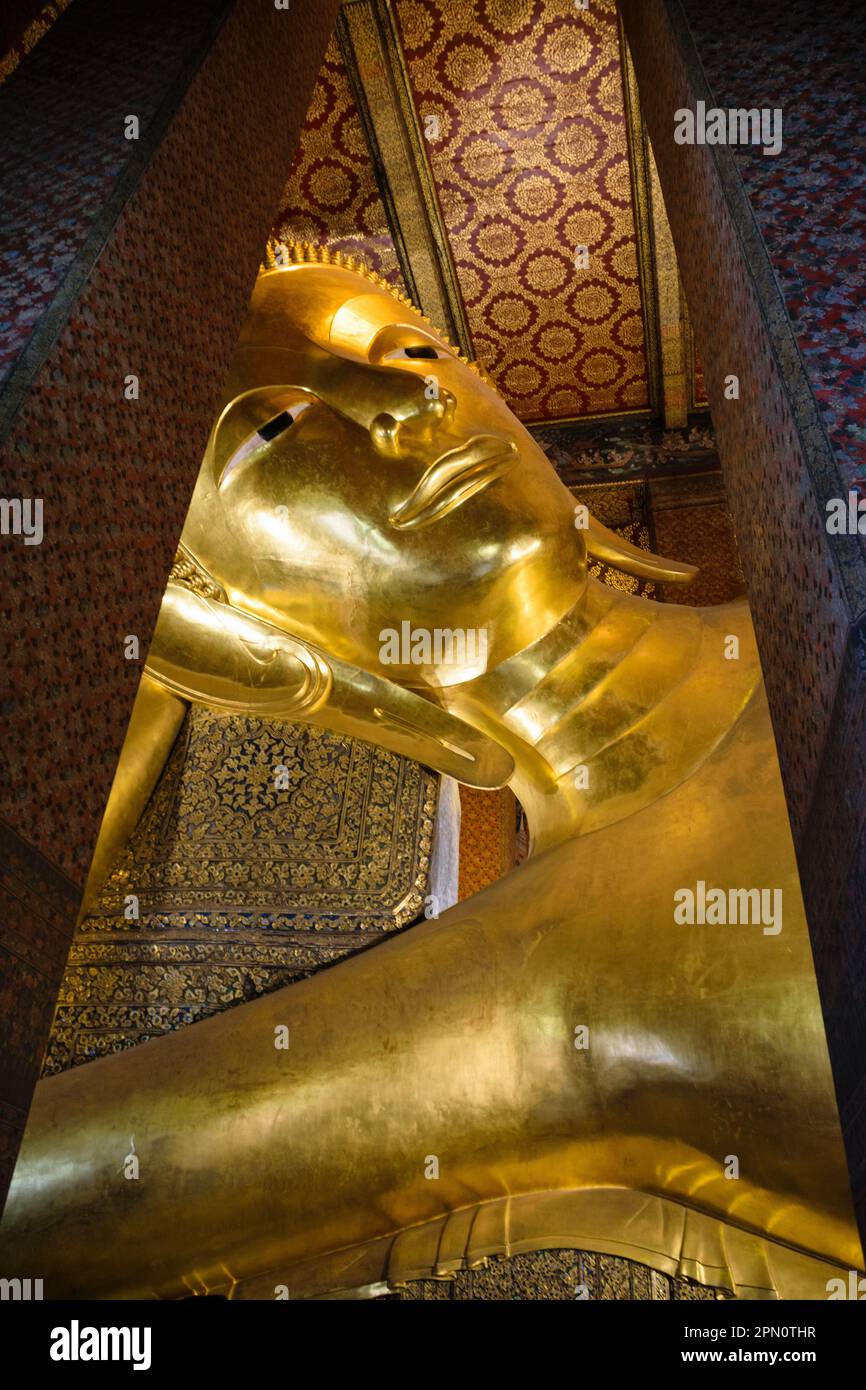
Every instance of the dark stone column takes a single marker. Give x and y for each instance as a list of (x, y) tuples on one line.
[(807, 589), (123, 258)]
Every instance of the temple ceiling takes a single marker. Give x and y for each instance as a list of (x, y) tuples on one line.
[(467, 150)]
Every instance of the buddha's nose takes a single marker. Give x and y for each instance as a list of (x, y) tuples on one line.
[(424, 424)]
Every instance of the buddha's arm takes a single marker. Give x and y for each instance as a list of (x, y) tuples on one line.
[(153, 727), (456, 1041), (207, 652)]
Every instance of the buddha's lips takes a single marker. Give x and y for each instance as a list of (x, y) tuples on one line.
[(454, 477)]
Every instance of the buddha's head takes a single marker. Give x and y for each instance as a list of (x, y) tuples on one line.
[(363, 476)]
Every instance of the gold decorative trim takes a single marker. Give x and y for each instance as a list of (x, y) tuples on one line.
[(377, 69), (670, 308), (380, 173), (555, 423), (641, 1226), (636, 140), (436, 221), (696, 402), (188, 573)]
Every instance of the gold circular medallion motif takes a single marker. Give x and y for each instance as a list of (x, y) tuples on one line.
[(556, 342), (535, 196), (482, 160), (507, 16), (467, 67), (471, 284), (567, 50), (617, 181), (585, 227), (510, 314), (522, 379), (630, 331), (330, 186), (546, 273), (623, 261), (523, 104), (497, 243), (575, 145), (594, 302), (416, 24), (600, 368)]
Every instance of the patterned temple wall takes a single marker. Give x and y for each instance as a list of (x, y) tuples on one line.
[(267, 852), (125, 257), (783, 456), (530, 160)]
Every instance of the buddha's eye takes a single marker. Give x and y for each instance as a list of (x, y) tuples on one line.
[(265, 434), (276, 426), (281, 422), (421, 352)]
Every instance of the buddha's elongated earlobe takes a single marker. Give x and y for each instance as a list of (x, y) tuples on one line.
[(605, 545)]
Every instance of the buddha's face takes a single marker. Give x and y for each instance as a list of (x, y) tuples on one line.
[(362, 477)]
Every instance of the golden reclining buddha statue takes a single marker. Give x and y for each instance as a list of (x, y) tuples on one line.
[(564, 1059)]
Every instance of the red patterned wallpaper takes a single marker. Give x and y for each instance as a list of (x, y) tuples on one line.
[(530, 160), (331, 196)]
